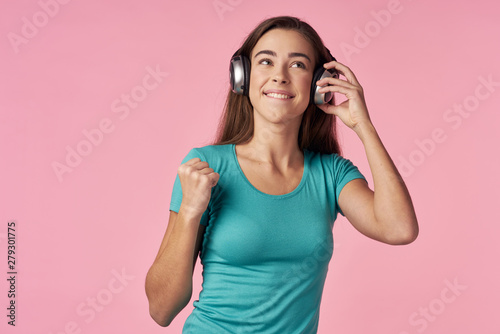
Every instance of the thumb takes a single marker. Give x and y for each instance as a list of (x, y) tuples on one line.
[(329, 108), (215, 179)]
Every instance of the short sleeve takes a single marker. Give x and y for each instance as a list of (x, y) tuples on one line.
[(176, 198), (344, 172)]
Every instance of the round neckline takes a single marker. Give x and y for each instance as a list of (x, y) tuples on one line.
[(305, 172)]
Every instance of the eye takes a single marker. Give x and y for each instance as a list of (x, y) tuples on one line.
[(299, 64), (265, 61)]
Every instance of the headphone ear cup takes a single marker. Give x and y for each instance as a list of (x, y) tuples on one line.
[(317, 97), (246, 75), (239, 75)]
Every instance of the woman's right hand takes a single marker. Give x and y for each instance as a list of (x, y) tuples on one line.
[(197, 180)]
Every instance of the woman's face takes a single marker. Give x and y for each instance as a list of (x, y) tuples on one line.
[(282, 64)]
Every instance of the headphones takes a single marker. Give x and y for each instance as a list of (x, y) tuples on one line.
[(239, 78)]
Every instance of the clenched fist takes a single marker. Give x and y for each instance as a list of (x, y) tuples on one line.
[(197, 180)]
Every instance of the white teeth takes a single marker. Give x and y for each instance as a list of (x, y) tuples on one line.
[(279, 96)]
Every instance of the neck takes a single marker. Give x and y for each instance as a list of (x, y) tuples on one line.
[(275, 144)]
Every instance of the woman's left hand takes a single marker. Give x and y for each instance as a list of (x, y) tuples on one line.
[(352, 111)]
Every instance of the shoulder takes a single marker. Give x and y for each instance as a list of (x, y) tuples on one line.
[(336, 168), (210, 153), (327, 160), (213, 151)]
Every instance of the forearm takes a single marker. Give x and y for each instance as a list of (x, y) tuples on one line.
[(169, 280), (392, 205)]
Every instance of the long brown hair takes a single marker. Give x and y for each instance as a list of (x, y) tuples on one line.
[(317, 131)]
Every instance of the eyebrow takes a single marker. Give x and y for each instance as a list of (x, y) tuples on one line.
[(290, 55)]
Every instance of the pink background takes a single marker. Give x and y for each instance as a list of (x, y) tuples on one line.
[(63, 75)]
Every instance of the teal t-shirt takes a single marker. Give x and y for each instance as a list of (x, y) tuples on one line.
[(265, 257)]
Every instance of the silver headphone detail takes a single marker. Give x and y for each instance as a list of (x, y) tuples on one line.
[(239, 74), (322, 98)]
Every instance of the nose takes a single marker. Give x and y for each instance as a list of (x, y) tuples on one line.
[(280, 75)]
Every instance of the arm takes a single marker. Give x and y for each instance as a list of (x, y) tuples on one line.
[(169, 280), (385, 214)]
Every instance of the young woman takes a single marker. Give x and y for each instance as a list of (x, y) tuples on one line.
[(258, 206)]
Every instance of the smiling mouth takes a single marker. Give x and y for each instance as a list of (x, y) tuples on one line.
[(279, 96)]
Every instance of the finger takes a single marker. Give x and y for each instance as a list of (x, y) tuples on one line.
[(342, 69), (214, 178), (193, 165), (192, 161), (200, 164), (326, 108), (347, 91), (330, 109), (206, 171), (335, 82)]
